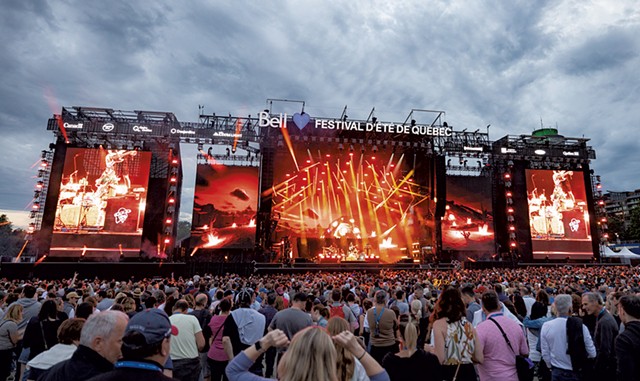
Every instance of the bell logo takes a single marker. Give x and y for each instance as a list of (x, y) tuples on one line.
[(265, 120), (108, 127)]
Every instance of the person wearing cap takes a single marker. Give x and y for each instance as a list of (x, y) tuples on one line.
[(146, 345), (99, 349), (71, 303), (187, 344), (243, 329)]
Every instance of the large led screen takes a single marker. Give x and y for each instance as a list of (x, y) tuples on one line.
[(467, 225), (101, 204), (224, 209), (558, 214), (351, 202)]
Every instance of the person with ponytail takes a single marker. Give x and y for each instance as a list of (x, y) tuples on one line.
[(348, 367), (412, 362)]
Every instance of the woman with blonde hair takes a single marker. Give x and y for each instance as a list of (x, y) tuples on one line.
[(129, 306), (411, 362), (422, 322), (310, 357), (9, 336), (348, 367)]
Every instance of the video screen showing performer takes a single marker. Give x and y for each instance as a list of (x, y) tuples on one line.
[(224, 208), (467, 225), (103, 191), (558, 214), (343, 203)]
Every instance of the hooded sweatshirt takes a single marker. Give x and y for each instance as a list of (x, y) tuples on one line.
[(31, 308)]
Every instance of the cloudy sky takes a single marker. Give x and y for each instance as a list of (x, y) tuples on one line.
[(510, 64)]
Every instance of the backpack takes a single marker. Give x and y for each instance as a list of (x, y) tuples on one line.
[(337, 311), (575, 345)]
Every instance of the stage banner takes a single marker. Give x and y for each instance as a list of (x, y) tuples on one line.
[(224, 208), (558, 214), (467, 224)]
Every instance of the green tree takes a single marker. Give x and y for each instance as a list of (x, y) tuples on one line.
[(633, 229), (11, 240), (616, 226)]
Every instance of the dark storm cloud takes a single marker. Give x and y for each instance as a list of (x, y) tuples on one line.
[(608, 51)]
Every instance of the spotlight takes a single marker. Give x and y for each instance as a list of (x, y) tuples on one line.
[(200, 146), (351, 147), (43, 155), (374, 148)]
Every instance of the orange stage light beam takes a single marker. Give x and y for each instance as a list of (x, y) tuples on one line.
[(287, 140), (22, 250), (39, 261), (237, 134)]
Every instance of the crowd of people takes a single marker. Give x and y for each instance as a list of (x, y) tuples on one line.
[(559, 323)]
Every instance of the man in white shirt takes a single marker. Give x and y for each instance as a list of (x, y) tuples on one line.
[(528, 298), (186, 345), (554, 342)]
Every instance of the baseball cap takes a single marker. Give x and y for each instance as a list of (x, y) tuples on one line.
[(153, 324), (244, 297)]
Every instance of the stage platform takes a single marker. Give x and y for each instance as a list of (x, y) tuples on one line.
[(139, 270)]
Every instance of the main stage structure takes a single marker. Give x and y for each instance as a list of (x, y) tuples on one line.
[(298, 188)]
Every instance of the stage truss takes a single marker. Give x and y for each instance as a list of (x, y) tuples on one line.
[(462, 152)]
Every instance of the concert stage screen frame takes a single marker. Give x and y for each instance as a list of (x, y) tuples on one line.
[(558, 214), (352, 203), (225, 206), (467, 225), (101, 204)]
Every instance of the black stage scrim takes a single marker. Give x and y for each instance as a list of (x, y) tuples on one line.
[(558, 214), (224, 208), (351, 201), (467, 225), (101, 203)]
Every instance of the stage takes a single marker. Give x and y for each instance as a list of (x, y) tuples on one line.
[(140, 270)]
